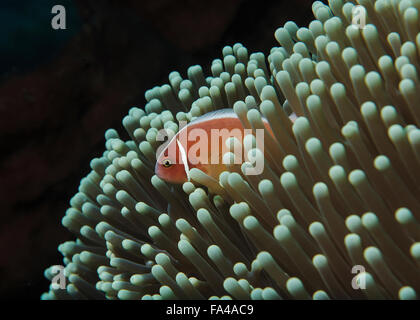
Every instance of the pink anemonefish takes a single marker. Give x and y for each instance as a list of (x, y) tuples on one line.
[(196, 146)]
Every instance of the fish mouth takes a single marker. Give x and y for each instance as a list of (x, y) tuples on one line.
[(158, 171), (167, 178)]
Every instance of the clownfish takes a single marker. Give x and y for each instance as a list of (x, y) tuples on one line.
[(200, 144)]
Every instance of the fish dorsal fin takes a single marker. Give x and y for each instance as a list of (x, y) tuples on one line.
[(217, 114)]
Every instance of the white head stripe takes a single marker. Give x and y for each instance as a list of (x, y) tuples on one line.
[(184, 159)]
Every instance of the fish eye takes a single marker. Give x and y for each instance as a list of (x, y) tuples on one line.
[(166, 163)]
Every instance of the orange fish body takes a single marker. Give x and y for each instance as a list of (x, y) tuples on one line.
[(201, 144)]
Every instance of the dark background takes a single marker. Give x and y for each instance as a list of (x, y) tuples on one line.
[(61, 89)]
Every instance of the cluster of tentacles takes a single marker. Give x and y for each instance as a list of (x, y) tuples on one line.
[(336, 212)]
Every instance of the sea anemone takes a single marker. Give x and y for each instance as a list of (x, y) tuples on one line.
[(334, 215)]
